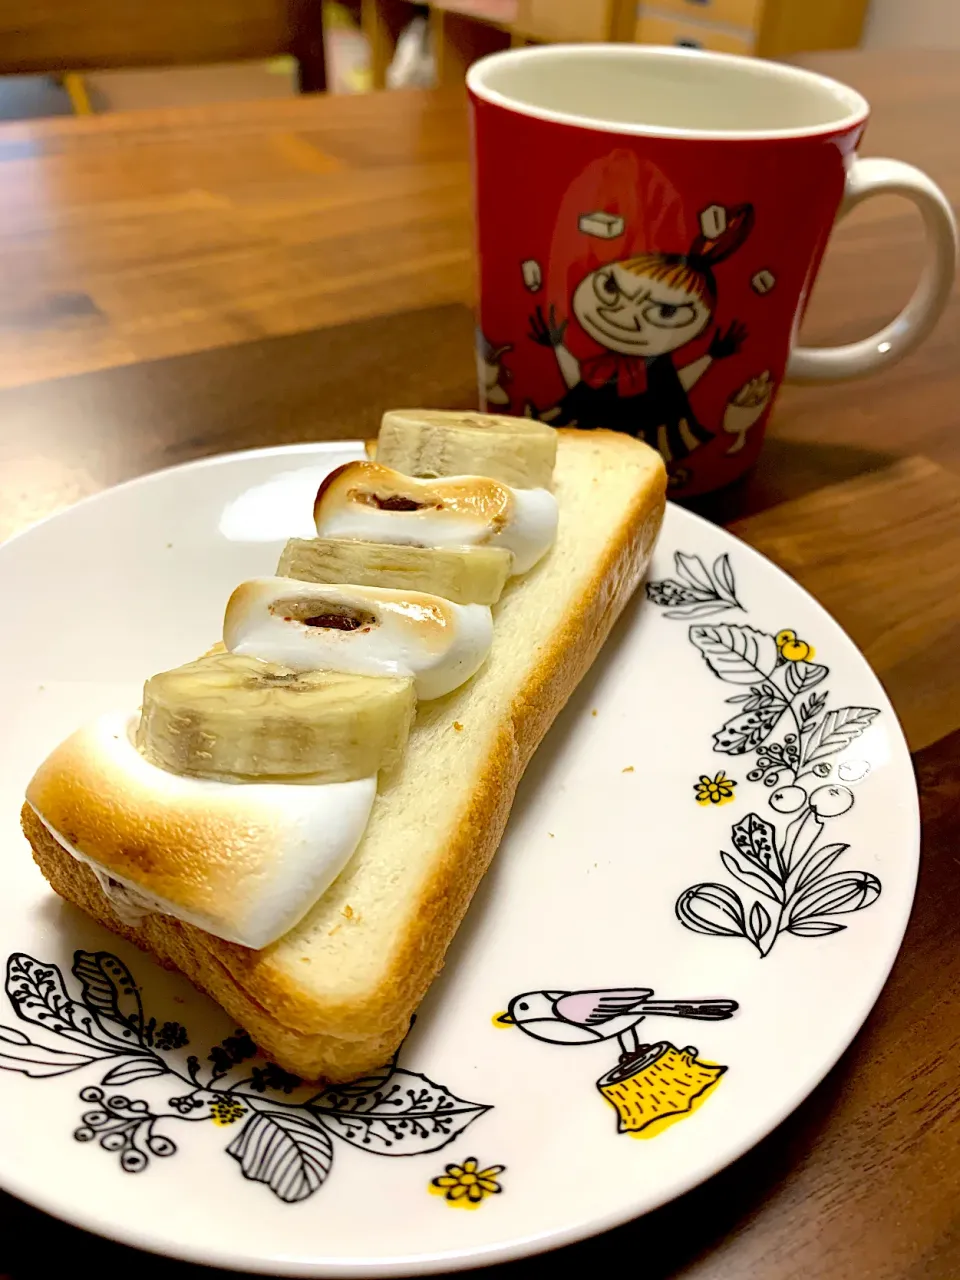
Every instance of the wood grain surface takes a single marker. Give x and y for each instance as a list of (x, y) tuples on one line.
[(185, 282)]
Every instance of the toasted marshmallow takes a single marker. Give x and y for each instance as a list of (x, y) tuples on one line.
[(369, 502), (374, 631), (244, 862)]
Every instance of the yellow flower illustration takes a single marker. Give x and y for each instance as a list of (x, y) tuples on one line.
[(226, 1111), (792, 649), (466, 1186), (717, 790)]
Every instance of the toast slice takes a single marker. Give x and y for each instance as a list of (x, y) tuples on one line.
[(333, 998)]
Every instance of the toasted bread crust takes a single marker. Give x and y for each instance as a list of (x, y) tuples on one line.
[(174, 945), (340, 1039)]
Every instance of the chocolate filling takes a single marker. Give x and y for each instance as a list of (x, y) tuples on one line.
[(335, 617), (338, 621)]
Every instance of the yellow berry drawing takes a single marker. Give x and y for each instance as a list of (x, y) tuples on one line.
[(650, 1085), (793, 650), (466, 1186)]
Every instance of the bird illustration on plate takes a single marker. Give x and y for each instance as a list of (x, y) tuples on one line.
[(650, 1083)]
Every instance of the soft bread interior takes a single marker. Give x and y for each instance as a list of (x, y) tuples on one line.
[(353, 971)]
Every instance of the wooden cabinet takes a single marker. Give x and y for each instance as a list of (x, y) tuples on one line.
[(668, 28), (769, 28), (732, 13), (572, 20)]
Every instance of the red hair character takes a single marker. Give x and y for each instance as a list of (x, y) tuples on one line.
[(640, 310)]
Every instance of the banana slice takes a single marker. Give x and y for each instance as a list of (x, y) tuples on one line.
[(429, 442), (465, 575), (369, 502), (309, 626), (234, 718)]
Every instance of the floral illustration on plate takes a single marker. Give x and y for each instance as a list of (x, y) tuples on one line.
[(716, 790), (284, 1129), (785, 721), (650, 1084), (697, 591), (466, 1185)]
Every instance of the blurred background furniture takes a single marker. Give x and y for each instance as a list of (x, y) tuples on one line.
[(72, 36), (767, 28), (464, 30), (180, 53)]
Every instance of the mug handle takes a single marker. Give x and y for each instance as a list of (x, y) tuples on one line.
[(872, 177)]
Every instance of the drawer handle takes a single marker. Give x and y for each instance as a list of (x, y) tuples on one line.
[(686, 43)]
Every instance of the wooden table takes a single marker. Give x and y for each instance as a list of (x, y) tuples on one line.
[(180, 283)]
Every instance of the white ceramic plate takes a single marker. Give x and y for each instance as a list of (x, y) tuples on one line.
[(609, 885)]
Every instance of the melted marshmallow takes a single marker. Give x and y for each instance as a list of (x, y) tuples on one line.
[(401, 633), (475, 511), (314, 830)]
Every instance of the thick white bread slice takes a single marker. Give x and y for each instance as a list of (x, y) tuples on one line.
[(334, 997)]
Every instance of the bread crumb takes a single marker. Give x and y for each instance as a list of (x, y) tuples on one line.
[(550, 834), (169, 546), (628, 769), (305, 960), (347, 911), (594, 711), (40, 688), (458, 726), (332, 931)]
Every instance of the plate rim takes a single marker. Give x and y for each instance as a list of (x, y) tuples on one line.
[(433, 1262)]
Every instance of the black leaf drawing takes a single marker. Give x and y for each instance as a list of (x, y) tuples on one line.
[(288, 1151), (836, 894), (19, 1053), (818, 864), (739, 655), (756, 839), (759, 922), (405, 1115), (108, 989), (800, 677), (283, 1143), (695, 572), (793, 874), (38, 995), (712, 909), (753, 876), (801, 836), (696, 591), (835, 731), (814, 928), (136, 1069), (812, 707), (749, 728)]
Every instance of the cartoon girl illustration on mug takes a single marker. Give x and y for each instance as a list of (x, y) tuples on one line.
[(641, 310)]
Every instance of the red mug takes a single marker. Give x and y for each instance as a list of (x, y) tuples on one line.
[(650, 222)]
